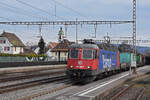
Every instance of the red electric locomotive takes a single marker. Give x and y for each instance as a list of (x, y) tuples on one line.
[(83, 62), (88, 60)]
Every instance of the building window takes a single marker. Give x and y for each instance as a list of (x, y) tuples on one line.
[(65, 54), (55, 53), (15, 48), (1, 49), (6, 48), (4, 41)]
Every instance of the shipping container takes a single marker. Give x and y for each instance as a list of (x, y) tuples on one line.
[(125, 58)]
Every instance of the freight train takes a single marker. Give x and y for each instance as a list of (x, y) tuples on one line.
[(89, 60)]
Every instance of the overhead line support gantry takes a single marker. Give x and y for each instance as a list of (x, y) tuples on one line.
[(66, 22)]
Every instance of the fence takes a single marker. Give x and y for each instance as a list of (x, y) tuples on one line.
[(29, 61)]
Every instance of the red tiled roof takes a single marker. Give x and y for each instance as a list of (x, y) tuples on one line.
[(62, 47), (52, 45)]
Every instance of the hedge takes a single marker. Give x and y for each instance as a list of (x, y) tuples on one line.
[(22, 55)]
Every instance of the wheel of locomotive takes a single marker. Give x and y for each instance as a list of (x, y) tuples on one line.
[(75, 80), (105, 74), (110, 73), (120, 70), (88, 79), (100, 76), (127, 68), (114, 72)]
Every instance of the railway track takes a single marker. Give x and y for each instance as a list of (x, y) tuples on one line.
[(46, 92), (30, 76), (26, 70), (137, 95), (130, 91), (14, 87), (140, 94)]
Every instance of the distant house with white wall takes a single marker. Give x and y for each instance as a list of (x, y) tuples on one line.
[(49, 48), (35, 49), (11, 44), (60, 52)]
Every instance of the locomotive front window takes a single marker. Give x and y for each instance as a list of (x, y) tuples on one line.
[(87, 54), (74, 54)]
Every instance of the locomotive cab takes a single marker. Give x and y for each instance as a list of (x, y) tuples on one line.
[(83, 56), (82, 60)]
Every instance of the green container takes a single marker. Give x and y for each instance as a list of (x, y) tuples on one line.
[(125, 58), (138, 59)]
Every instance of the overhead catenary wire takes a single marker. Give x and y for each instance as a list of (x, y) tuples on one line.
[(69, 8), (39, 9), (6, 18), (12, 9)]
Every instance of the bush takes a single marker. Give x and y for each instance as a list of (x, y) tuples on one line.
[(22, 55)]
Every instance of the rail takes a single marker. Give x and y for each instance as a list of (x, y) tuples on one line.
[(14, 87)]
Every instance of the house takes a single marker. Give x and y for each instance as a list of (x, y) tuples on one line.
[(52, 44), (35, 49), (60, 52), (49, 48), (10, 43), (28, 51)]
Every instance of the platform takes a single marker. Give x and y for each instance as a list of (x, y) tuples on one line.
[(29, 68), (90, 91)]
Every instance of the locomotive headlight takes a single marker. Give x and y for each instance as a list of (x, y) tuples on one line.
[(89, 67), (71, 66)]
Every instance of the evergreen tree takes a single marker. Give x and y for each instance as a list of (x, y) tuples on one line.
[(41, 45)]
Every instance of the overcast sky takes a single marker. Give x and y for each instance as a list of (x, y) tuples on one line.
[(13, 10)]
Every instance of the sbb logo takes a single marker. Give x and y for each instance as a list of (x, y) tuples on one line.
[(80, 62)]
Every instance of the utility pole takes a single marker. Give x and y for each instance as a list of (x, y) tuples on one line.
[(134, 37), (40, 30), (66, 27), (55, 9), (76, 31), (95, 30)]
